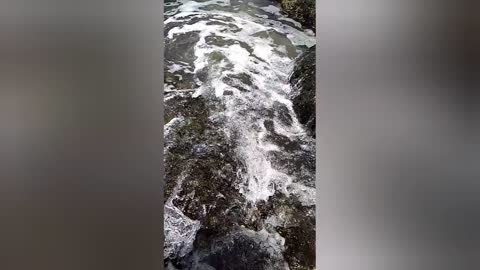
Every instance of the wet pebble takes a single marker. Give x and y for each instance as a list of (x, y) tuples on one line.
[(200, 150)]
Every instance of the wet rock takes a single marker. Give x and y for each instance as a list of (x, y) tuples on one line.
[(280, 40), (300, 164), (302, 81), (302, 11), (200, 150), (282, 113), (202, 74), (278, 139), (297, 227), (235, 83), (181, 47), (268, 124), (180, 232), (180, 79), (200, 155), (243, 77), (240, 250), (225, 42)]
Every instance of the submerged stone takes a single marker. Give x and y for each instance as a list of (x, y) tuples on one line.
[(200, 150)]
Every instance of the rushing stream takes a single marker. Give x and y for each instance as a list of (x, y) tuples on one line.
[(240, 169)]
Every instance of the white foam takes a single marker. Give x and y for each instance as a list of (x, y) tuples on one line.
[(168, 126), (180, 232), (270, 76), (174, 67)]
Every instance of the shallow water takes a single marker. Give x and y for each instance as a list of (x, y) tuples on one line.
[(230, 128)]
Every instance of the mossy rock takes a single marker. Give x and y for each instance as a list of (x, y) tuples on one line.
[(302, 11), (302, 81)]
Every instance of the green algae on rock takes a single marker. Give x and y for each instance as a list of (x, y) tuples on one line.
[(302, 11)]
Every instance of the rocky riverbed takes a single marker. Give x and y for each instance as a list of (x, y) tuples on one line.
[(239, 158)]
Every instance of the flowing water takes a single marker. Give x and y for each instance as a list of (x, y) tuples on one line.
[(240, 169)]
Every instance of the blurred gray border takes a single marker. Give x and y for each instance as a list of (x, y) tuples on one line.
[(162, 120)]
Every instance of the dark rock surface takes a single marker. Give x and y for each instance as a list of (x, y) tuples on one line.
[(242, 249), (303, 84), (230, 236), (302, 11), (199, 151)]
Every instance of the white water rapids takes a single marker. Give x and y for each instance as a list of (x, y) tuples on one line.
[(246, 52)]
